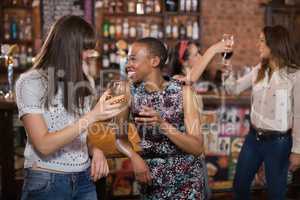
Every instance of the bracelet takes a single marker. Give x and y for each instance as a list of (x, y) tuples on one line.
[(188, 83)]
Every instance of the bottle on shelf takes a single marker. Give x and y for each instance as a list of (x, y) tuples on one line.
[(194, 5), (195, 30), (29, 57), (14, 29), (23, 56), (22, 29), (140, 7), (105, 28), (168, 29), (119, 6), (182, 5), (182, 31), (113, 56), (149, 6), (132, 30), (157, 6), (105, 56), (112, 7), (112, 29), (118, 29), (146, 30), (188, 5), (28, 29), (189, 30), (125, 27), (6, 27), (175, 32), (171, 5), (131, 6)]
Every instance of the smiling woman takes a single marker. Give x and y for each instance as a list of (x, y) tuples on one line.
[(171, 164), (275, 132), (54, 104)]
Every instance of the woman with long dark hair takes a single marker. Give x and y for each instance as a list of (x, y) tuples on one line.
[(274, 136), (54, 104)]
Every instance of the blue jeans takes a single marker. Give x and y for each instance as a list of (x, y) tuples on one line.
[(275, 155), (40, 185)]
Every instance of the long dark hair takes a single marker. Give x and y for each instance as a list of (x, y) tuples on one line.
[(282, 50), (61, 53), (176, 60)]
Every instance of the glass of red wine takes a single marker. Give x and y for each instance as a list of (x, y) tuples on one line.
[(229, 41)]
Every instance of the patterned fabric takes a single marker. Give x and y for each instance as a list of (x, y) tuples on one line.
[(176, 174), (31, 91)]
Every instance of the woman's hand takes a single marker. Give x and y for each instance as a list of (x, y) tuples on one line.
[(220, 47), (149, 116), (141, 169), (99, 166), (108, 108), (294, 162)]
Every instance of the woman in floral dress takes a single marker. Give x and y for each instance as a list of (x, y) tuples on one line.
[(171, 165)]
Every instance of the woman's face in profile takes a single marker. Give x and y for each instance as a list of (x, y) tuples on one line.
[(264, 50), (194, 55)]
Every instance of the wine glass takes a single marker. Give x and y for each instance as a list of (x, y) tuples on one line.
[(118, 88), (229, 41)]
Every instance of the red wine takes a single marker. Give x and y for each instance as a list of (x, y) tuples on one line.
[(227, 55)]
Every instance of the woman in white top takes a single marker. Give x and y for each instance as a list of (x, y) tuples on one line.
[(275, 121), (54, 105)]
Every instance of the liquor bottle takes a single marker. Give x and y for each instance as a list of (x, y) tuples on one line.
[(118, 28), (175, 32), (22, 29), (132, 30), (112, 30), (105, 56), (6, 27), (28, 29), (171, 5), (149, 7), (125, 28), (188, 5), (106, 25), (194, 5), (14, 29), (146, 32), (154, 31), (189, 30), (29, 57), (160, 32), (131, 6), (140, 7), (112, 7), (119, 6), (23, 57), (168, 29), (182, 31), (181, 5), (113, 56), (157, 6), (195, 31)]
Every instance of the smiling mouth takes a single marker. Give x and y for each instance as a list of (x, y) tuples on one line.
[(131, 74)]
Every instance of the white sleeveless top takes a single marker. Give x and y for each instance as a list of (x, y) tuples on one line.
[(31, 91)]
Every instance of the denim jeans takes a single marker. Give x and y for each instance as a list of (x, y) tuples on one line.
[(275, 155), (40, 185)]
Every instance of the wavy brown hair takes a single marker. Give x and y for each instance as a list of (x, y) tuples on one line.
[(62, 52), (282, 50)]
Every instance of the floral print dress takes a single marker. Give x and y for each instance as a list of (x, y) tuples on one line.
[(175, 174)]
